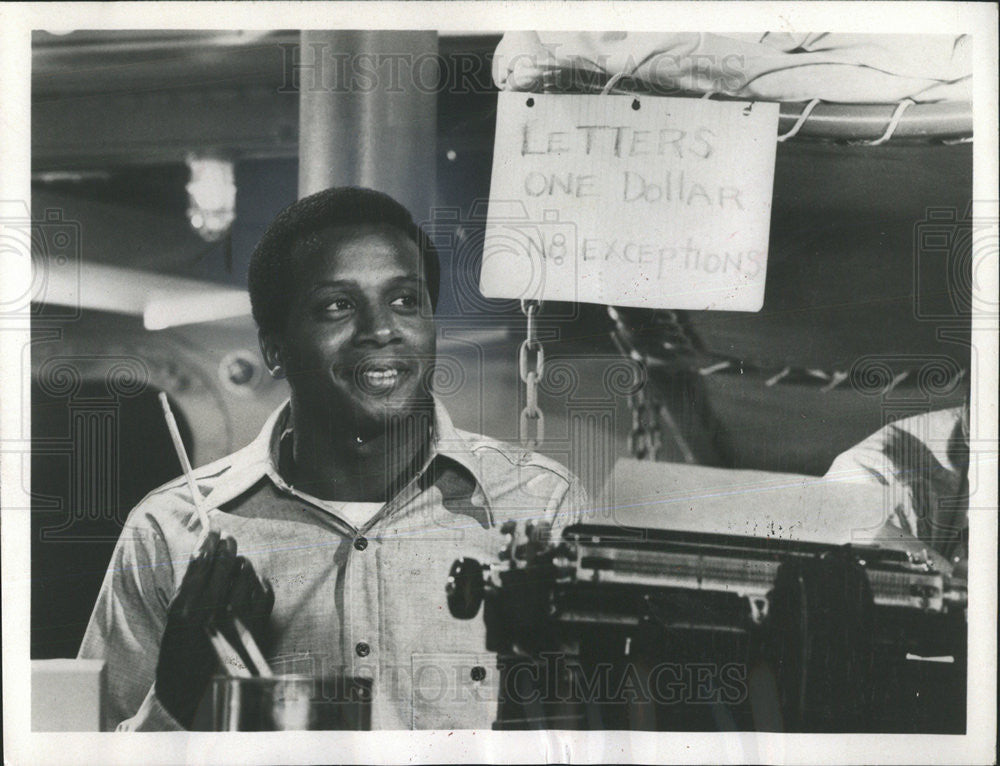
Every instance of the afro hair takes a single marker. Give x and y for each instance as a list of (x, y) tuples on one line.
[(271, 265)]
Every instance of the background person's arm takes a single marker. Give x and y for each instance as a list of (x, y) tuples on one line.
[(922, 462)]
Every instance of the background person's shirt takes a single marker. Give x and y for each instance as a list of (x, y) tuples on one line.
[(365, 602), (923, 462)]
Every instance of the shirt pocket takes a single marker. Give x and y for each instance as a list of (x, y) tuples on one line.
[(456, 690)]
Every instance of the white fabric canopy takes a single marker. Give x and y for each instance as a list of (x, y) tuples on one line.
[(842, 68)]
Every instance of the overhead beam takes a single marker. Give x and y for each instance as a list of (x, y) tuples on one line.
[(160, 126)]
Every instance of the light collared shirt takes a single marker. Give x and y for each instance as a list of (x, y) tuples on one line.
[(923, 462), (367, 603)]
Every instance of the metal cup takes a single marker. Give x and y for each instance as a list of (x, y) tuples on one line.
[(291, 703)]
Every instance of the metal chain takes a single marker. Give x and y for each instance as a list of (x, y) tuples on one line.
[(644, 439), (671, 334), (531, 375), (667, 342)]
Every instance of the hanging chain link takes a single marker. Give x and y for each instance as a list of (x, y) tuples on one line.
[(671, 333), (645, 438), (531, 371)]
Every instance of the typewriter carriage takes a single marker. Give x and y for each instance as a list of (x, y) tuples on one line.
[(826, 629)]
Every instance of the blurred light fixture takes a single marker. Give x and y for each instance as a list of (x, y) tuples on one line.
[(162, 301), (211, 196), (69, 176)]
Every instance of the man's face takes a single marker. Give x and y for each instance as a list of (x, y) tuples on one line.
[(359, 343)]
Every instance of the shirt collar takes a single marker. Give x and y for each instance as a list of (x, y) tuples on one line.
[(449, 443)]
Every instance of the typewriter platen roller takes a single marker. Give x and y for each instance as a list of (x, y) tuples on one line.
[(626, 628)]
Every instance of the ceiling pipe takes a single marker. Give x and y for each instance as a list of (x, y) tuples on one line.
[(368, 112)]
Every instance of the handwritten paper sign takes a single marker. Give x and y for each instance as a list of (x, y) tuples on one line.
[(646, 201)]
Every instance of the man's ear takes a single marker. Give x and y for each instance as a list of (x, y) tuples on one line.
[(270, 349)]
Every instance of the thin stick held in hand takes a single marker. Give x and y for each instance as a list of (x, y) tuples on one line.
[(246, 637), (175, 435), (228, 656)]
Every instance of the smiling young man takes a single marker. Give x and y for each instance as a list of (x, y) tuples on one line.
[(334, 531)]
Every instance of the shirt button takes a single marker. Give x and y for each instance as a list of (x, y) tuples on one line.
[(362, 649), (478, 673), (360, 543)]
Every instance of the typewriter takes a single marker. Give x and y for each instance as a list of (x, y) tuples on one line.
[(683, 621)]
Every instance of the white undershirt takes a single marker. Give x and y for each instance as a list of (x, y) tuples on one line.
[(357, 514)]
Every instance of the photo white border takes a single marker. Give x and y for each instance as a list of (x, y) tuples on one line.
[(22, 746)]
